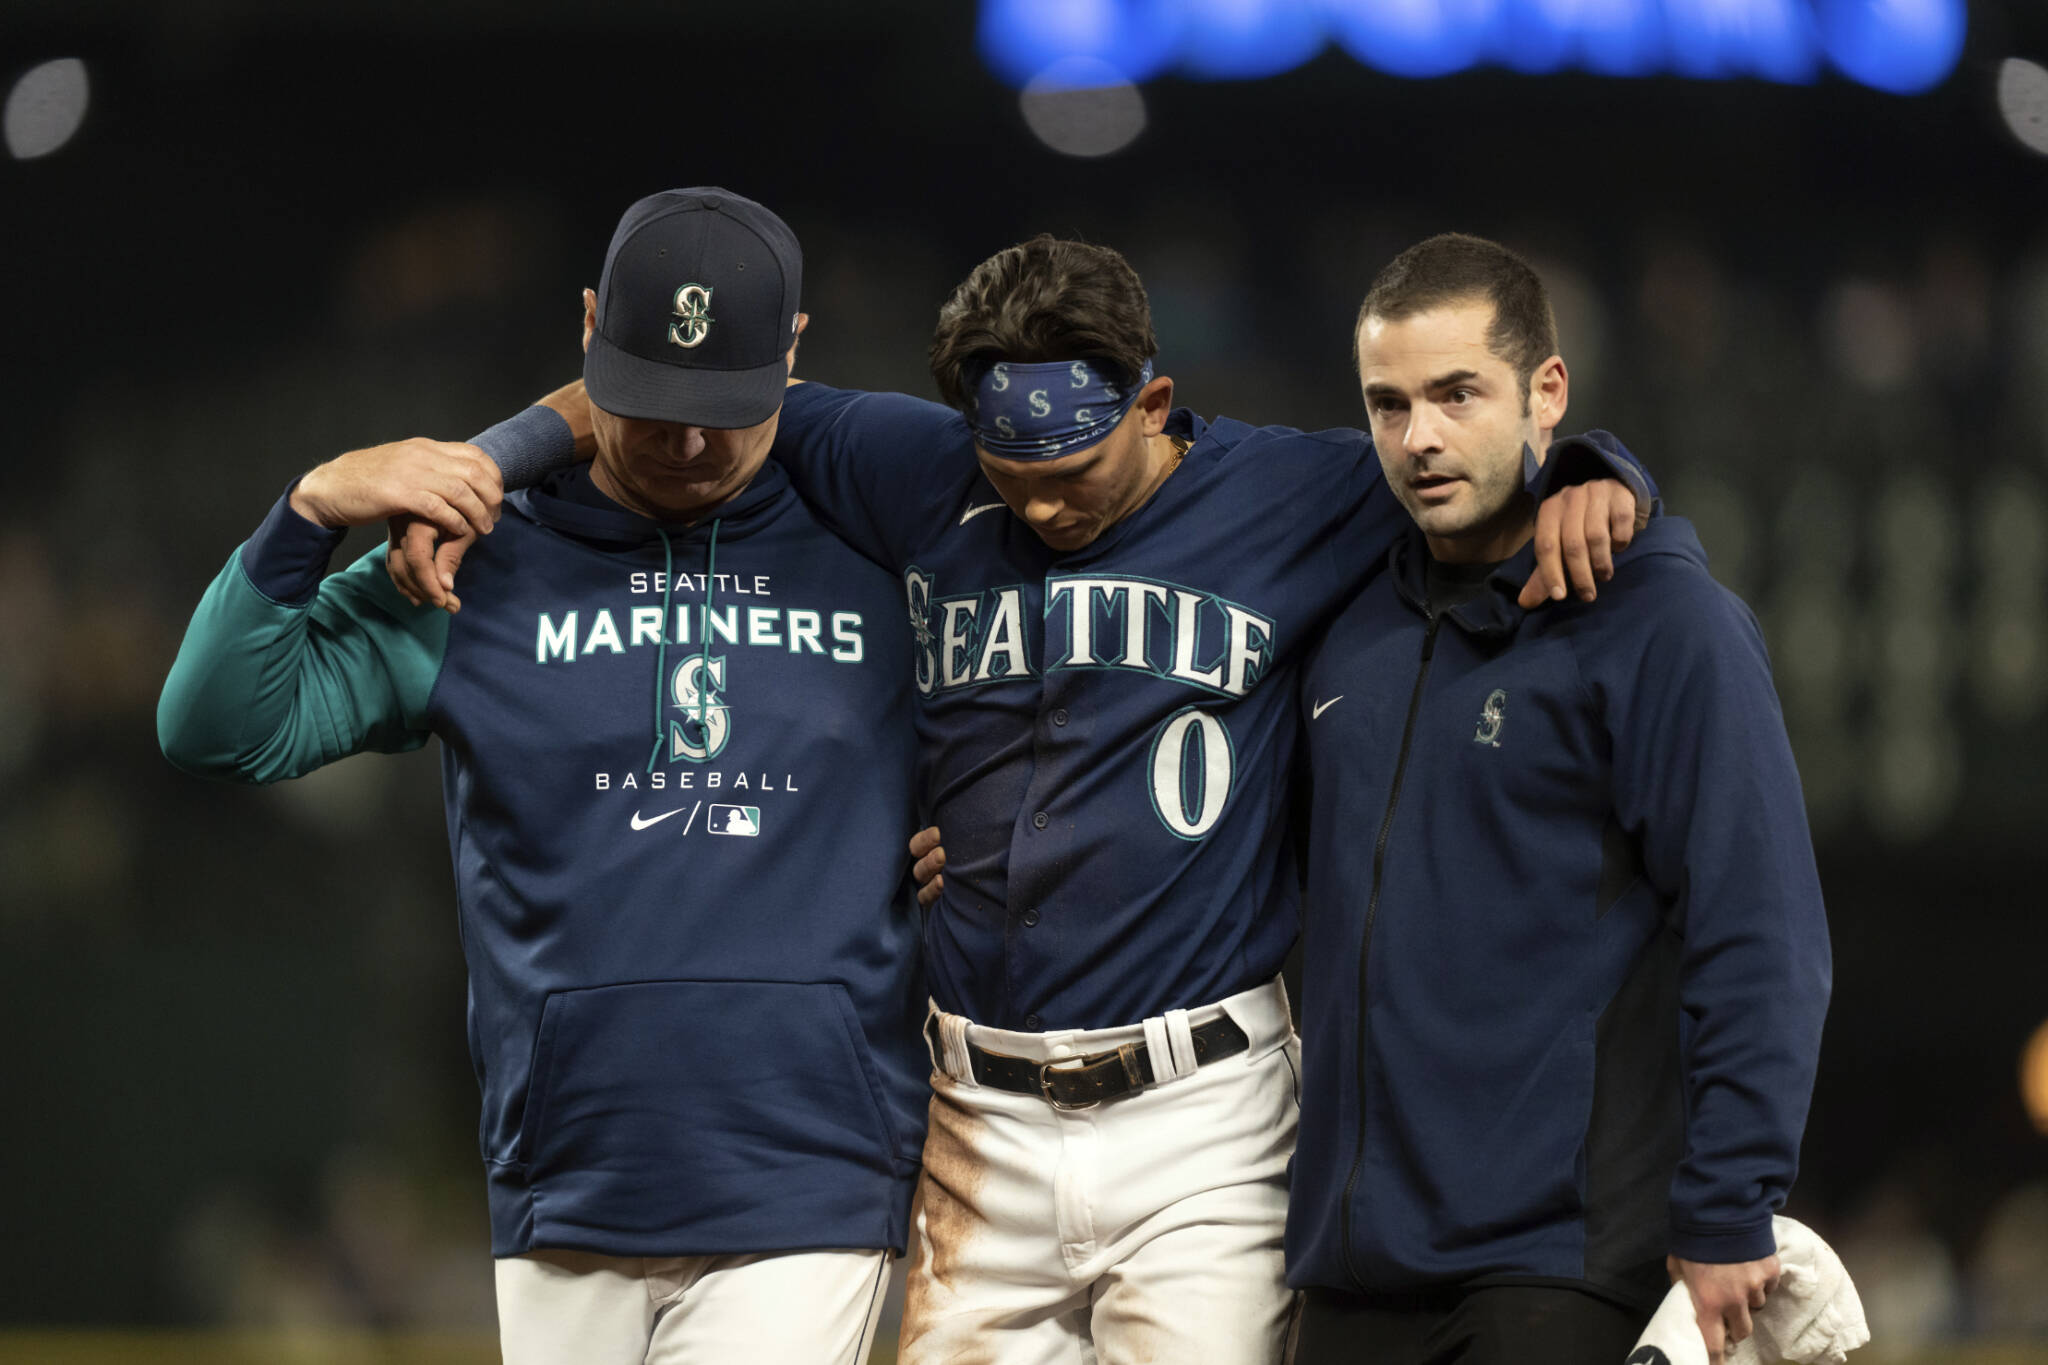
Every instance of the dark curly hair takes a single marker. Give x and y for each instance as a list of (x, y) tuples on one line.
[(1041, 300)]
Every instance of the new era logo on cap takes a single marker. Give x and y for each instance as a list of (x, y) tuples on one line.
[(696, 311)]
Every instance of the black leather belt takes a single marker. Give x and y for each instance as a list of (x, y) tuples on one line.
[(1077, 1083)]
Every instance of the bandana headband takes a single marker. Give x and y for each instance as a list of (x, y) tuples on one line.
[(1044, 411)]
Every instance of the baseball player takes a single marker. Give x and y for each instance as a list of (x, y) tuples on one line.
[(1108, 598), (677, 764), (1566, 955)]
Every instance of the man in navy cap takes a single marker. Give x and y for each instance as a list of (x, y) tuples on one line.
[(676, 758)]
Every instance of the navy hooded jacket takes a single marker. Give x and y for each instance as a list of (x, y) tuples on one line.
[(677, 767), (1561, 859)]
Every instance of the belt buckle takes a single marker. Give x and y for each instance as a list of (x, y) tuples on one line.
[(1045, 1089)]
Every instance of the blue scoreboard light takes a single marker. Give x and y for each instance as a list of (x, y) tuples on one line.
[(1900, 46)]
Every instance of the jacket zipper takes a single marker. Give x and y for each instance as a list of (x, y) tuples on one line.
[(1372, 909)]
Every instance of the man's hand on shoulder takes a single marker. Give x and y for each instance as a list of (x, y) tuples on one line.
[(451, 486), (1723, 1297), (1578, 529), (422, 553), (421, 562)]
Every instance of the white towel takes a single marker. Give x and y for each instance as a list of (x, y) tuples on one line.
[(1813, 1317)]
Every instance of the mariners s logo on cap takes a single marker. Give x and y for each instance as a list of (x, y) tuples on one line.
[(693, 316)]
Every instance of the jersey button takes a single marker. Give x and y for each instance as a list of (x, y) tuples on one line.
[(1041, 820), (1030, 918), (1059, 717), (1033, 1023)]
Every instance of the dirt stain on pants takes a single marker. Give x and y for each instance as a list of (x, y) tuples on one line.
[(944, 1216)]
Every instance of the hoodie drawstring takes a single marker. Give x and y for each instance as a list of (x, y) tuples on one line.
[(704, 643), (668, 581), (668, 563)]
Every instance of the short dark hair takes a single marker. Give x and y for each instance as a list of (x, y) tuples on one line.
[(1453, 267), (1046, 299)]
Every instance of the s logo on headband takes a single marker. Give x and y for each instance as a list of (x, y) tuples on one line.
[(693, 316), (1019, 422)]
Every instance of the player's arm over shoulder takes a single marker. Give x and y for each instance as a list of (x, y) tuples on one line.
[(1307, 460), (859, 423), (1319, 481), (879, 469)]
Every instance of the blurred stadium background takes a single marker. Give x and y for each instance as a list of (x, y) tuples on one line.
[(1800, 252)]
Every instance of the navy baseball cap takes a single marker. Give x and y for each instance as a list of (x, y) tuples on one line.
[(695, 312)]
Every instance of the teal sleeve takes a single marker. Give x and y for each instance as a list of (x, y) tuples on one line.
[(264, 689)]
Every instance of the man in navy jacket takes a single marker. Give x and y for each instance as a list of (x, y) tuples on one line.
[(1567, 960)]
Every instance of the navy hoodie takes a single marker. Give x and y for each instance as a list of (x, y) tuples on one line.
[(1561, 858), (677, 764)]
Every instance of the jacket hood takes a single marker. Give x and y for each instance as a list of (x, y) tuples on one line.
[(553, 503)]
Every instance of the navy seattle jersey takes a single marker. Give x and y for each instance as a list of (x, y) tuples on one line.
[(1104, 735)]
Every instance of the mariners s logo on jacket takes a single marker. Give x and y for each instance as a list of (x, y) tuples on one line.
[(1492, 716), (700, 734), (704, 700)]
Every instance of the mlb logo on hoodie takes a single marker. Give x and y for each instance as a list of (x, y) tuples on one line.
[(744, 820)]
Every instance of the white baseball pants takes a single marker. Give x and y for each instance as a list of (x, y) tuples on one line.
[(1146, 1228), (790, 1308)]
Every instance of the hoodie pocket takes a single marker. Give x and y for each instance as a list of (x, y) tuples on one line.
[(673, 1103)]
